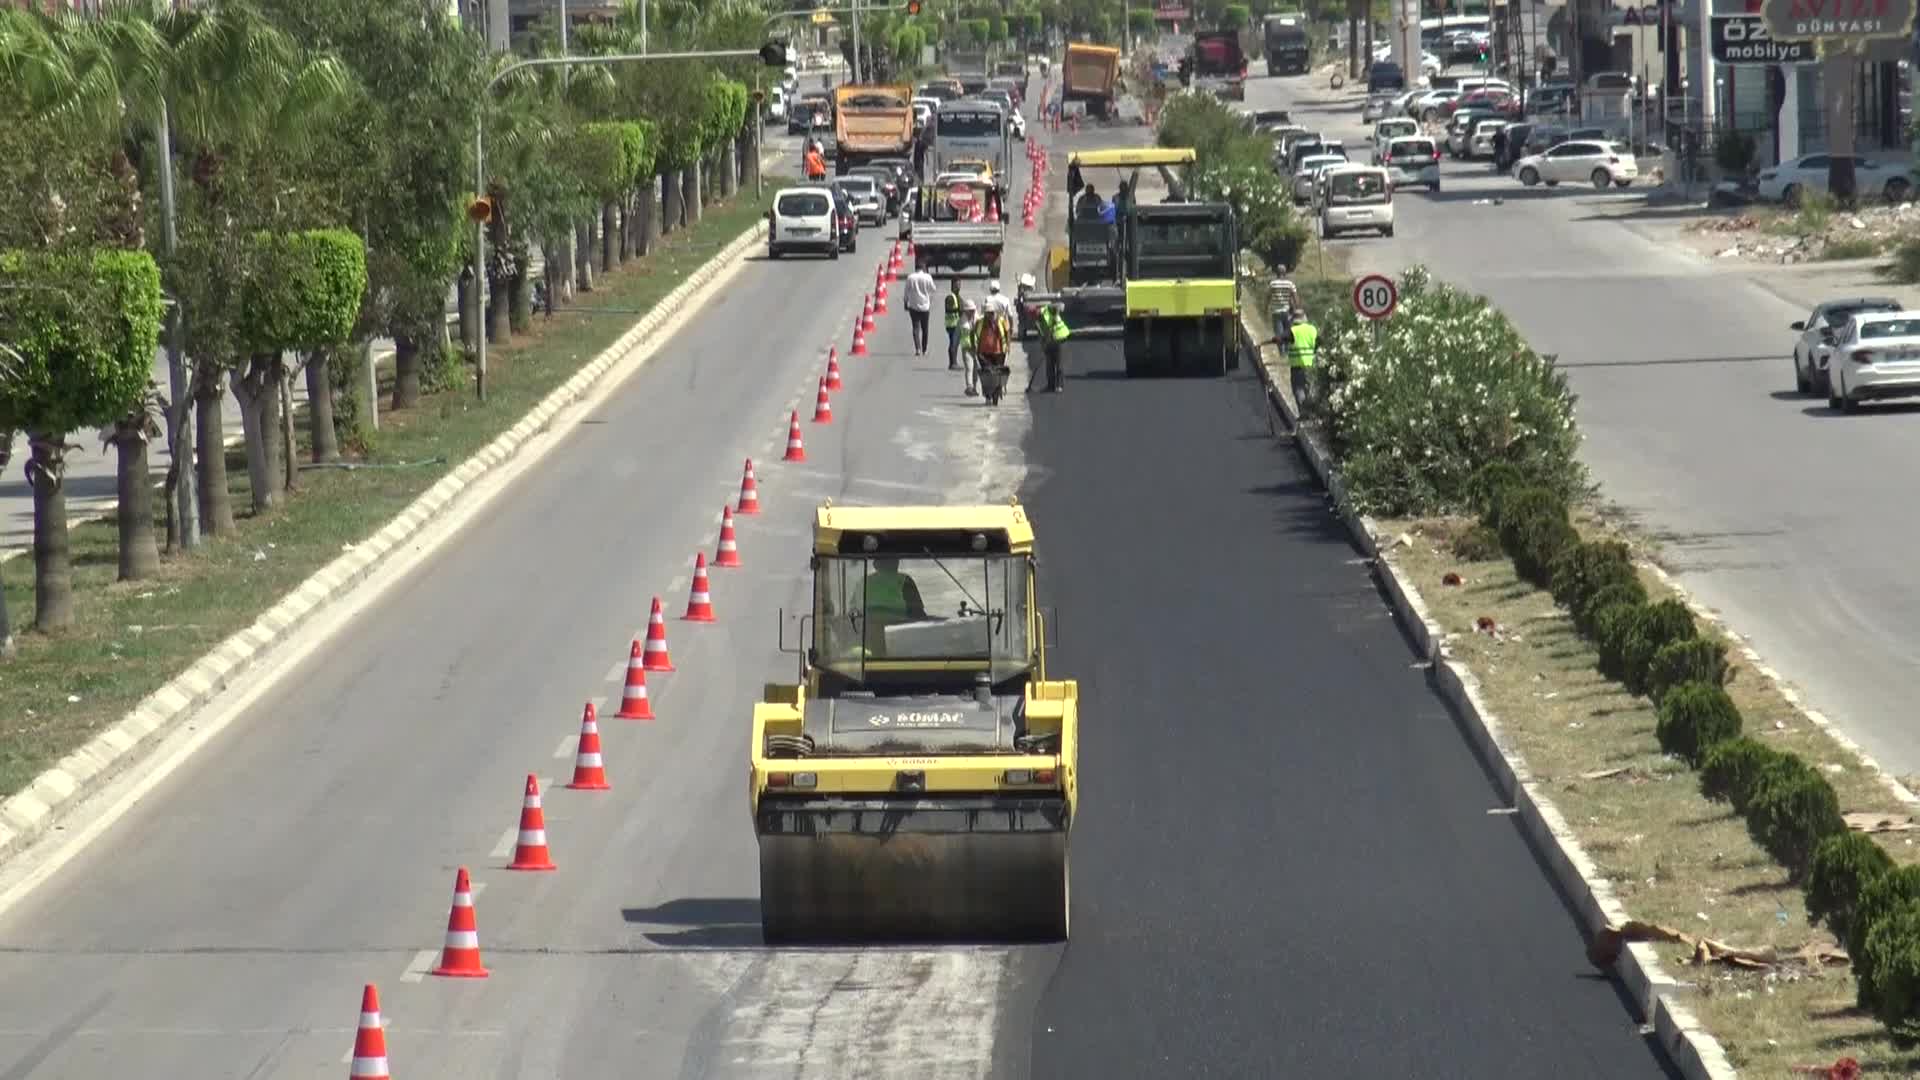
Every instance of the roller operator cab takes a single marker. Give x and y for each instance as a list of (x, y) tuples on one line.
[(918, 781)]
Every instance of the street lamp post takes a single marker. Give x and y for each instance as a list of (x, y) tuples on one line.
[(480, 217)]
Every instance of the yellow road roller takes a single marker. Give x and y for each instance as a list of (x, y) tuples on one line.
[(917, 781)]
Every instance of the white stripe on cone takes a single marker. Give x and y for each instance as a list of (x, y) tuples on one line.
[(533, 838), (590, 759), (369, 1067), (463, 939)]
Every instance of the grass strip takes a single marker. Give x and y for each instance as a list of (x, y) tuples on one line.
[(130, 639), (1672, 856)]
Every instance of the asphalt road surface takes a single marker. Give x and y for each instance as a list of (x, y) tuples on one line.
[(1773, 510), (1286, 864)]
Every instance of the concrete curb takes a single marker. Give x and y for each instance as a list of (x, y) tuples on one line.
[(1694, 1051), (27, 814)]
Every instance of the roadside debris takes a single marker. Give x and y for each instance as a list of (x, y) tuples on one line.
[(1867, 822), (1607, 944)]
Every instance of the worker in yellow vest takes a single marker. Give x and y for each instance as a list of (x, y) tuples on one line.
[(1054, 333), (1299, 339)]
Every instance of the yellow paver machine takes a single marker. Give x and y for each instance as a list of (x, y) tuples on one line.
[(1166, 272), (918, 781)]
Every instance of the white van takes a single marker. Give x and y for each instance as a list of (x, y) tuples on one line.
[(1353, 198), (802, 220)]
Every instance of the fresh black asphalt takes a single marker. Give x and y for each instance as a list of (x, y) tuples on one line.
[(1284, 863)]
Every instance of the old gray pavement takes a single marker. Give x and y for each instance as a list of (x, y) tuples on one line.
[(1783, 516)]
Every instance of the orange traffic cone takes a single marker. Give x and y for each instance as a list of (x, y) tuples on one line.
[(530, 853), (833, 374), (865, 322), (993, 213), (797, 451), (750, 488), (370, 1040), (589, 771), (634, 703), (460, 958), (699, 597), (655, 653), (1026, 217), (880, 291), (728, 553), (822, 407), (859, 341)]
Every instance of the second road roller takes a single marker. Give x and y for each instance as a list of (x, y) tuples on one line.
[(917, 780)]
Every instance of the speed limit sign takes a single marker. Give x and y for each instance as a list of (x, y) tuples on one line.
[(1375, 296)]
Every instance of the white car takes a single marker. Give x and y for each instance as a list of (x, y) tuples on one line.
[(1787, 181), (1388, 130), (1376, 107), (1430, 64), (1413, 159), (1305, 176), (1814, 345), (802, 220), (1017, 124), (1480, 143), (1875, 356), (869, 202), (776, 106), (1352, 197), (1603, 164), (1431, 106)]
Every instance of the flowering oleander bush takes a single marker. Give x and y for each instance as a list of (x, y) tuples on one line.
[(1451, 388), (1235, 167)]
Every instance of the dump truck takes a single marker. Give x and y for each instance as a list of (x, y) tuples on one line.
[(917, 780), (1166, 277), (1090, 74), (946, 241), (1216, 64), (871, 122), (1288, 50)]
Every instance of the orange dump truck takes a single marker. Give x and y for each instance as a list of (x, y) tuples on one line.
[(871, 122)]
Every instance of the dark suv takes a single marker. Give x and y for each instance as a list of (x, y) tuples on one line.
[(1385, 75)]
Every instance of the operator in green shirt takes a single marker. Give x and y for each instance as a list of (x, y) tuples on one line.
[(889, 598)]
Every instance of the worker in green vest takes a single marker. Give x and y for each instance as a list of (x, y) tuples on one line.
[(1053, 334), (954, 326), (889, 598), (1299, 339)]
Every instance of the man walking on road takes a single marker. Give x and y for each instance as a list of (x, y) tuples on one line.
[(918, 297), (970, 342), (956, 326), (1299, 338), (1053, 335)]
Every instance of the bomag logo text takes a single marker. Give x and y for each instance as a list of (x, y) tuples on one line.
[(919, 720)]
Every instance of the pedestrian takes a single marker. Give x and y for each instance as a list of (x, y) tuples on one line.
[(998, 302), (1499, 149), (1053, 336), (969, 344), (918, 298), (991, 334), (816, 163), (956, 325), (1299, 339)]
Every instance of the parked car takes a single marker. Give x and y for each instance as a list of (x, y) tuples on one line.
[(888, 182), (1376, 107), (776, 111), (869, 203), (1789, 180), (1480, 138), (1305, 176), (1385, 75), (1353, 197), (1430, 106), (1413, 159), (1601, 163), (803, 219), (1460, 130), (1875, 356), (1388, 130), (1814, 344)]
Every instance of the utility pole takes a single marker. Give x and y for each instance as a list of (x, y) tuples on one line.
[(186, 504), (856, 42), (644, 4)]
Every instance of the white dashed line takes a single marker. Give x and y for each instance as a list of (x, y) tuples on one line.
[(617, 672), (416, 971), (678, 583), (567, 746), (507, 840)]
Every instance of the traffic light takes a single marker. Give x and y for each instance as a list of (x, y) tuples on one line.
[(774, 54), (480, 210)]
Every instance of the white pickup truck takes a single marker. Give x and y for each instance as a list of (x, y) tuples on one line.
[(946, 241)]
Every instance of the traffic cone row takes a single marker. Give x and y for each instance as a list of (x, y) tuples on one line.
[(822, 406), (866, 312)]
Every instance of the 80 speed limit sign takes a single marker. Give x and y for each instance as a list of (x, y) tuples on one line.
[(1375, 296)]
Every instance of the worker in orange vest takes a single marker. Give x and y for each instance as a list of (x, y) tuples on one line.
[(816, 162)]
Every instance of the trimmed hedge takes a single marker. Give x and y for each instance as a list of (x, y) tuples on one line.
[(1729, 770), (1613, 625), (306, 289), (1477, 544), (1534, 529), (1489, 486), (86, 326), (1696, 660), (1843, 866), (1582, 570), (1659, 625), (1892, 953), (1883, 896), (1694, 717), (1790, 811), (1631, 594)]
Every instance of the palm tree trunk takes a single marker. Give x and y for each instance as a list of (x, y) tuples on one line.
[(499, 306), (259, 420), (669, 201), (690, 198), (608, 238), (210, 468), (326, 442), (139, 550), (520, 293), (466, 296), (561, 271), (583, 254), (406, 371), (649, 204), (6, 622), (289, 442), (52, 558)]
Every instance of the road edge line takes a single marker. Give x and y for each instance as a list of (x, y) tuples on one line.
[(1688, 1045), (30, 813)]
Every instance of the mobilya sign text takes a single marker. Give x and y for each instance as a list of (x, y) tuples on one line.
[(1744, 39), (1842, 20)]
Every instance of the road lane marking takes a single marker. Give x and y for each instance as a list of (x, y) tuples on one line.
[(505, 847), (567, 746), (617, 673), (418, 968)]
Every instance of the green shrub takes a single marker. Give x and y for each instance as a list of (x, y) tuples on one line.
[(1533, 530), (1489, 485), (1450, 387), (1584, 569), (1663, 624), (1694, 717), (1729, 770), (1696, 660), (1894, 950), (1842, 868), (1477, 544), (1613, 627), (1884, 895), (1630, 593), (1790, 813)]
